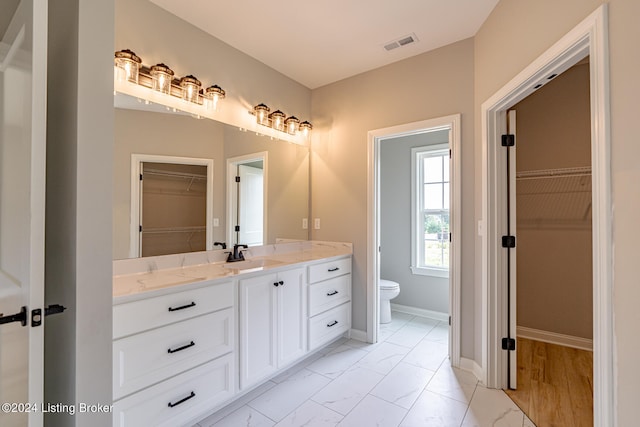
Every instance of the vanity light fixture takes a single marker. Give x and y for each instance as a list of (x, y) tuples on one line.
[(305, 128), (277, 120), (212, 95), (162, 77), (190, 89), (262, 114), (291, 124), (127, 65)]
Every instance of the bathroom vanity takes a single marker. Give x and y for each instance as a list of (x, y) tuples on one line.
[(191, 332)]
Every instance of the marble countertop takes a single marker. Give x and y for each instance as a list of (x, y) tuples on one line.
[(145, 277)]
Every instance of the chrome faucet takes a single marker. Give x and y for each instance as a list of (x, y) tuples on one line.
[(237, 254)]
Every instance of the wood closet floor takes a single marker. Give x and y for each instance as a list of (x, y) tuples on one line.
[(555, 384)]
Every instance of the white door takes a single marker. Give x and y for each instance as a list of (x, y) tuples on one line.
[(251, 206), (292, 325), (23, 57), (511, 164)]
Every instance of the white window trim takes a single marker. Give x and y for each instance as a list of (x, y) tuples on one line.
[(415, 198)]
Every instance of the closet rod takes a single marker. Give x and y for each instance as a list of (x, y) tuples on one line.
[(554, 173), (174, 174)]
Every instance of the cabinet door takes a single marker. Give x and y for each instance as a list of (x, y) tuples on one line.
[(257, 328), (292, 315)]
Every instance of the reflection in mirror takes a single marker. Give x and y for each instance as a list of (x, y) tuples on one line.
[(286, 179), (246, 186)]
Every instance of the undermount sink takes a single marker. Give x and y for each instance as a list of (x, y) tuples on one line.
[(250, 264)]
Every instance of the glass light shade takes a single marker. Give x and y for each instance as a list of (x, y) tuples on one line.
[(161, 76), (291, 125), (262, 114), (305, 128), (212, 95), (190, 89), (127, 66), (277, 120)]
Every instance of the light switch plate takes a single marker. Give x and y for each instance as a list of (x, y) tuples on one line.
[(316, 223)]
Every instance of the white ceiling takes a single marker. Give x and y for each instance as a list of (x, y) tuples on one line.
[(317, 42)]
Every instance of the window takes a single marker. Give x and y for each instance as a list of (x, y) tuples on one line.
[(430, 213)]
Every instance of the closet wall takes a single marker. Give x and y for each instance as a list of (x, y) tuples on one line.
[(553, 188), (174, 208)]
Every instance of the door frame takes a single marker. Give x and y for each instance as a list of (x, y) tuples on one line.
[(453, 123), (590, 37), (136, 170), (232, 195)]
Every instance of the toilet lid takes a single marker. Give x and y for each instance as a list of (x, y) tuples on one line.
[(388, 284)]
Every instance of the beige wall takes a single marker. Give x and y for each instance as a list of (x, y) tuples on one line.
[(430, 85), (554, 261), (515, 34)]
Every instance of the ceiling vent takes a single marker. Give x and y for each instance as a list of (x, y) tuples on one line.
[(402, 41)]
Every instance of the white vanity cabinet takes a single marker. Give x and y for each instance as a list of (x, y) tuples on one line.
[(272, 317), (329, 301), (173, 355)]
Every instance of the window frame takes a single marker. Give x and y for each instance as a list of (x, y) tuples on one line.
[(417, 213)]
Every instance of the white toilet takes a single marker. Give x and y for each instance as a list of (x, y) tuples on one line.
[(388, 291)]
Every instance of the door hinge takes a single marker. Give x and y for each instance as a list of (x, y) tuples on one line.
[(449, 237), (141, 177), (508, 241), (508, 344), (508, 140), (140, 228), (237, 228), (18, 317), (449, 320), (449, 153), (237, 179)]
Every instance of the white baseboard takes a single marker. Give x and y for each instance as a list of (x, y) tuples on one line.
[(357, 334), (555, 338), (436, 315), (472, 366)]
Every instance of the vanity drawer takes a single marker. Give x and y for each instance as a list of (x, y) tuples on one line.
[(179, 400), (147, 358), (327, 270), (329, 293), (328, 325), (137, 316)]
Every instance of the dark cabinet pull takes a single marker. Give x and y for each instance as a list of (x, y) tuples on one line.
[(331, 270), (330, 294), (182, 307), (334, 323), (191, 396), (276, 284), (281, 283), (184, 347)]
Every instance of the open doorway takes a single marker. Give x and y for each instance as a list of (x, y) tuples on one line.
[(553, 268), (246, 199), (426, 142), (588, 38)]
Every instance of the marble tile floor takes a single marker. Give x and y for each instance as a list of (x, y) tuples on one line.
[(404, 380)]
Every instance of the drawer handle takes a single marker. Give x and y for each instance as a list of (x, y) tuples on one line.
[(191, 396), (334, 323), (184, 347), (182, 307), (331, 270), (330, 294)]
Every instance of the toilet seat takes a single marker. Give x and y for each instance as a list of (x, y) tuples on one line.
[(388, 284)]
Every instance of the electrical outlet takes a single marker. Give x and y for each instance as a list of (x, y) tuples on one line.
[(216, 222), (316, 223), (305, 223)]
